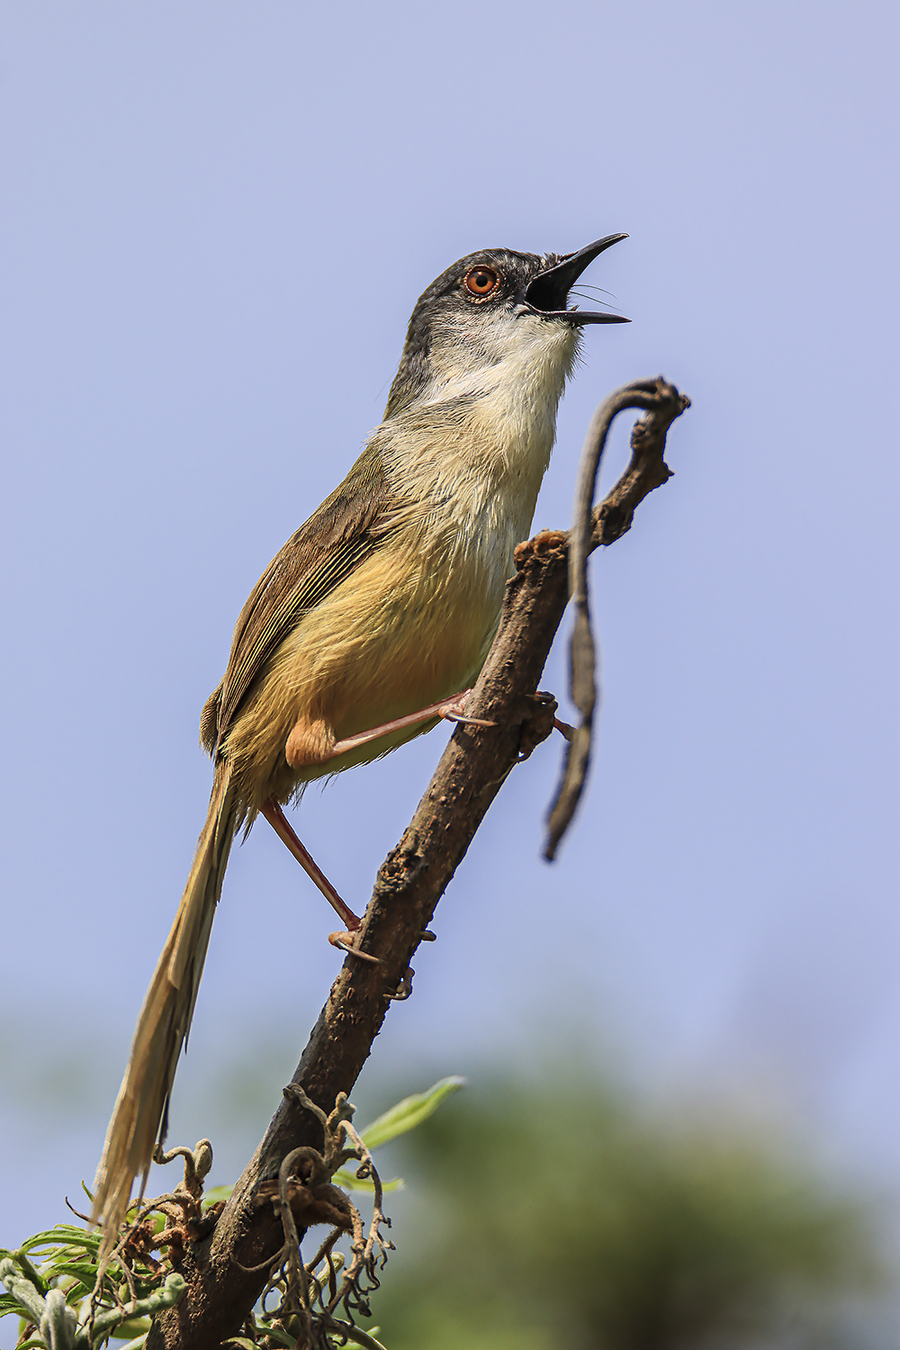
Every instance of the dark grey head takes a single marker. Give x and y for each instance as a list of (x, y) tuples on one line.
[(484, 305)]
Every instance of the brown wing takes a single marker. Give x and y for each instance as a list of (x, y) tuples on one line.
[(336, 538)]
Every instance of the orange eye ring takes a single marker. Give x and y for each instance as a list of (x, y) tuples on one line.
[(481, 282)]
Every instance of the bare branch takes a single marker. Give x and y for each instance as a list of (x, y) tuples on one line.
[(227, 1272)]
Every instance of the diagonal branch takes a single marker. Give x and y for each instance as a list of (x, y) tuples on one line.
[(222, 1284)]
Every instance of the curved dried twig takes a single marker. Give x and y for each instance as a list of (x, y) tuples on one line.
[(662, 403)]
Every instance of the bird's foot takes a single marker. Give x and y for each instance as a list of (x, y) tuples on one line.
[(454, 710), (344, 941)]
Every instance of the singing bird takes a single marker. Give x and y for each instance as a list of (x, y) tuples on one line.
[(375, 618)]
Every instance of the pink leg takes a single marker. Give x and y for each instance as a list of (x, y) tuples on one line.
[(453, 709), (282, 827)]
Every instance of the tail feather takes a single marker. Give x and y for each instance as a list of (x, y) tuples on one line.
[(165, 1018)]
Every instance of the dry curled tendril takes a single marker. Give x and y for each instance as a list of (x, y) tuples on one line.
[(318, 1301), (74, 1300), (310, 1294), (184, 1221)]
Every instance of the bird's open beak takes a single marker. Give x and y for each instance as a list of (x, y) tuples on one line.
[(548, 293)]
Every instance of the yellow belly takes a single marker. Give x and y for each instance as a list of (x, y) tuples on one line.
[(405, 630)]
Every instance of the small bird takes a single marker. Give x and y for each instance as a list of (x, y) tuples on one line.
[(374, 619)]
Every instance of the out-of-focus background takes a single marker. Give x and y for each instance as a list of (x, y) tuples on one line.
[(218, 218)]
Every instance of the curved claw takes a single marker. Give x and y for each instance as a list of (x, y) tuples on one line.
[(454, 711), (450, 716), (344, 943)]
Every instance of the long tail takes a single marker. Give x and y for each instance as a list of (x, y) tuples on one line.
[(165, 1018)]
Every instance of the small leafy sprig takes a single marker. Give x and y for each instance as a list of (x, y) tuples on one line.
[(310, 1294), (62, 1304), (68, 1299)]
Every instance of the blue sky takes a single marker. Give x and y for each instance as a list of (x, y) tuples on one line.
[(219, 216)]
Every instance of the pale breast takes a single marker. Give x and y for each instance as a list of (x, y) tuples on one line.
[(413, 623)]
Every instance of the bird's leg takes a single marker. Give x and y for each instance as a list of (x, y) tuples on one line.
[(282, 827), (310, 743), (453, 709)]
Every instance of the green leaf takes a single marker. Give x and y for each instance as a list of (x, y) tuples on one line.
[(214, 1195), (85, 1272), (409, 1113), (279, 1335), (29, 1272), (351, 1182), (356, 1335), (136, 1327), (62, 1235)]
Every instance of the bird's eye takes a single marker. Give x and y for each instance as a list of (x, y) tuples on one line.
[(481, 281)]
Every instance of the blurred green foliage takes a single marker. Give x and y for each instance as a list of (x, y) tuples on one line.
[(563, 1217), (567, 1216)]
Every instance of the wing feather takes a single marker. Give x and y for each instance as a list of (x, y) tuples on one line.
[(318, 557)]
